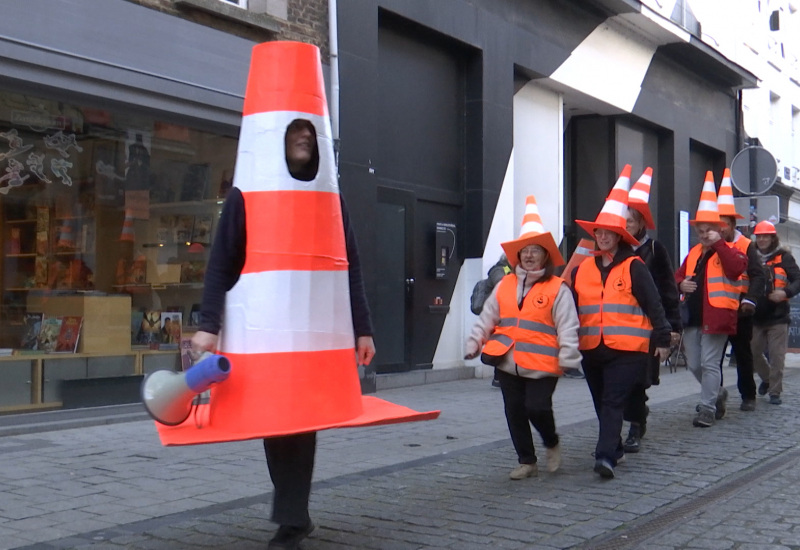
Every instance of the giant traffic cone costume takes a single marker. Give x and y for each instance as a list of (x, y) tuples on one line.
[(613, 216), (639, 197), (288, 329)]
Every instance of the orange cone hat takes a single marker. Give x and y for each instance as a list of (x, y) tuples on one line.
[(707, 210), (585, 249), (532, 232), (288, 330), (725, 203), (639, 197), (614, 214)]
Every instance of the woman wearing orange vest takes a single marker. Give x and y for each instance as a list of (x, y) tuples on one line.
[(771, 320), (620, 311), (708, 279), (530, 331)]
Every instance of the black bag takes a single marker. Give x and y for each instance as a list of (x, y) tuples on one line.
[(482, 290)]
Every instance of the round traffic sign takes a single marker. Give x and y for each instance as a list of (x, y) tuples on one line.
[(753, 170)]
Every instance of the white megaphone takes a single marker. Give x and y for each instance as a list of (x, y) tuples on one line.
[(168, 395)]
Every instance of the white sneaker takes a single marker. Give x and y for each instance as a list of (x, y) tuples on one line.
[(524, 470), (553, 458)]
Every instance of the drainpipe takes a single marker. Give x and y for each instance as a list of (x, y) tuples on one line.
[(333, 41)]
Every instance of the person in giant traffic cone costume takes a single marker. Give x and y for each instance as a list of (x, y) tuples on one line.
[(620, 312), (285, 265), (656, 258), (707, 279), (528, 330), (752, 285), (772, 318)]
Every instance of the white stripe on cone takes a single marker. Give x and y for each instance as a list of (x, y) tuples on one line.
[(286, 311), (261, 164)]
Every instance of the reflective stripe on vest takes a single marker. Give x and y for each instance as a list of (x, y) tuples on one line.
[(779, 278), (610, 313), (743, 283), (530, 330), (722, 292)]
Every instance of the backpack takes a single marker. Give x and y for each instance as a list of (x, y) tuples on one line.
[(482, 290)]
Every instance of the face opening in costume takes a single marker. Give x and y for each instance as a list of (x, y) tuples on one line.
[(302, 152)]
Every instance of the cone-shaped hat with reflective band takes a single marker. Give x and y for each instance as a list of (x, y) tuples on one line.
[(585, 249), (614, 214), (639, 197), (288, 329), (532, 232), (707, 210), (725, 203)]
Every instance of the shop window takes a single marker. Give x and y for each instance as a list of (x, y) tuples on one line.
[(106, 220)]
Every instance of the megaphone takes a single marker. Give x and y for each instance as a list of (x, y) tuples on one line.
[(168, 395)]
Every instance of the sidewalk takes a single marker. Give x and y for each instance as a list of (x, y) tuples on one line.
[(438, 484)]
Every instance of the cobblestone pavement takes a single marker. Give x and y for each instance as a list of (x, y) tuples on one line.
[(439, 484)]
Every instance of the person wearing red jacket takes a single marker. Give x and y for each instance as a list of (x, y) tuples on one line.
[(711, 304)]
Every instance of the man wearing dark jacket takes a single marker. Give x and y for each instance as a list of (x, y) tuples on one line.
[(740, 342), (771, 319)]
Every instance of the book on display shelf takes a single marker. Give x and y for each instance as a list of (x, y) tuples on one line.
[(70, 334)]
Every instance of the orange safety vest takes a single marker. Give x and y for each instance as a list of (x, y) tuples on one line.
[(530, 330), (722, 292), (610, 313), (779, 277), (741, 244)]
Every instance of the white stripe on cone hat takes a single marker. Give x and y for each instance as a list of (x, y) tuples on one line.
[(725, 203), (532, 232), (614, 214), (707, 209), (639, 197), (288, 330)]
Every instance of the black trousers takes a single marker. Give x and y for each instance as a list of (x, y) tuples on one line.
[(611, 376), (529, 401), (636, 409), (290, 460), (740, 346)]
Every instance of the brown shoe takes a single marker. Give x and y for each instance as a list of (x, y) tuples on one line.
[(524, 470)]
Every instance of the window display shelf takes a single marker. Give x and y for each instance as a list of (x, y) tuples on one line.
[(32, 379)]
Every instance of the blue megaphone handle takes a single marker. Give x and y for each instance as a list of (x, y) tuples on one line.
[(211, 369)]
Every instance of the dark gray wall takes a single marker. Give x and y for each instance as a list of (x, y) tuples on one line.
[(116, 50)]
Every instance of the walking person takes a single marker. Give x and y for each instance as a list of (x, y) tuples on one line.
[(655, 257), (708, 280), (620, 312), (771, 320), (751, 285), (528, 330), (283, 293), (481, 292)]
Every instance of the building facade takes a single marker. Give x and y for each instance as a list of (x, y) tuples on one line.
[(119, 123), (453, 112)]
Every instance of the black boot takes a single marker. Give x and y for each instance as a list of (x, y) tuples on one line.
[(632, 443)]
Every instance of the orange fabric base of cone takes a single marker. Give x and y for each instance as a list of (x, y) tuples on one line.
[(196, 429)]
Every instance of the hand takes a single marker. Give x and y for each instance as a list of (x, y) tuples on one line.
[(747, 309), (662, 354), (712, 236), (365, 350), (674, 338), (688, 285), (202, 342), (777, 296)]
